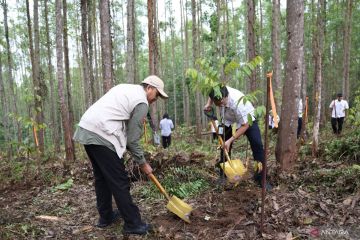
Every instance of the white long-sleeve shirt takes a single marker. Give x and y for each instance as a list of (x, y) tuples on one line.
[(338, 108)]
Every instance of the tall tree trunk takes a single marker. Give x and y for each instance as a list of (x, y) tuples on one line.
[(4, 109), (97, 79), (174, 67), (304, 95), (276, 51), (184, 88), (67, 74), (153, 52), (60, 77), (347, 43), (85, 54), (12, 86), (318, 49), (286, 151), (106, 45), (194, 56), (251, 40), (130, 40), (187, 94), (35, 63), (91, 16), (53, 96)]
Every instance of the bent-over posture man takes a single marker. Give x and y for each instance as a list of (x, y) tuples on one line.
[(107, 129), (237, 112)]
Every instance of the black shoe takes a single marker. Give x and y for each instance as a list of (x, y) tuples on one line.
[(139, 230), (258, 180), (102, 223)]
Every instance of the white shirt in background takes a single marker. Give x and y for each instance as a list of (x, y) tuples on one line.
[(338, 108), (166, 125), (300, 108)]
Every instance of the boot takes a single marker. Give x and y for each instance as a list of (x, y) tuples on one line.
[(258, 181)]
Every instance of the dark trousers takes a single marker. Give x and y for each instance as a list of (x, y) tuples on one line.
[(254, 136), (299, 127), (111, 179), (337, 124), (214, 137), (166, 141)]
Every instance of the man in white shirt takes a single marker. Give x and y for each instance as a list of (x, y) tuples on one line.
[(166, 124), (239, 112), (338, 113)]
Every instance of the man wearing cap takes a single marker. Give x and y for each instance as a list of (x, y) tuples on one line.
[(338, 108), (107, 129)]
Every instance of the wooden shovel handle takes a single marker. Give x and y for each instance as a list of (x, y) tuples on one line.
[(159, 186)]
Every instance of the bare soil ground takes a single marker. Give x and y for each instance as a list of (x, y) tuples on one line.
[(293, 210)]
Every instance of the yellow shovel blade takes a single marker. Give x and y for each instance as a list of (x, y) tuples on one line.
[(179, 208), (234, 170)]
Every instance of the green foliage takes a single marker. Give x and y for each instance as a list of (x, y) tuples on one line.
[(209, 77), (64, 186), (345, 149), (182, 182), (354, 111), (343, 180)]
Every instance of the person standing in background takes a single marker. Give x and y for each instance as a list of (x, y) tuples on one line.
[(166, 124), (338, 108)]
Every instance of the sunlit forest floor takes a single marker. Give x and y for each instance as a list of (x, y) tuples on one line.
[(319, 199)]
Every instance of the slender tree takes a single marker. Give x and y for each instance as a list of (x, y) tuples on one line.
[(276, 51), (318, 50), (85, 53), (130, 40), (69, 150), (286, 151), (347, 44), (106, 45), (67, 73), (173, 61), (12, 85), (251, 39), (34, 47), (53, 96), (4, 107), (153, 51), (194, 57)]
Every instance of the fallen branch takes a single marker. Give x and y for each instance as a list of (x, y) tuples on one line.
[(49, 218)]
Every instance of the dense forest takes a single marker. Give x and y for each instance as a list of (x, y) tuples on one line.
[(59, 57)]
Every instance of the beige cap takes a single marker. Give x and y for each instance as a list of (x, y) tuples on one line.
[(156, 82)]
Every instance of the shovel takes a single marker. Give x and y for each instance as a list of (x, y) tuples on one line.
[(233, 169), (175, 204)]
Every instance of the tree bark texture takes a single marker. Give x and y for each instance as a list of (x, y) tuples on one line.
[(347, 43), (130, 40), (318, 49), (68, 95), (106, 45), (69, 151), (251, 40), (153, 52), (276, 51), (85, 53), (13, 94), (53, 96), (286, 151)]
